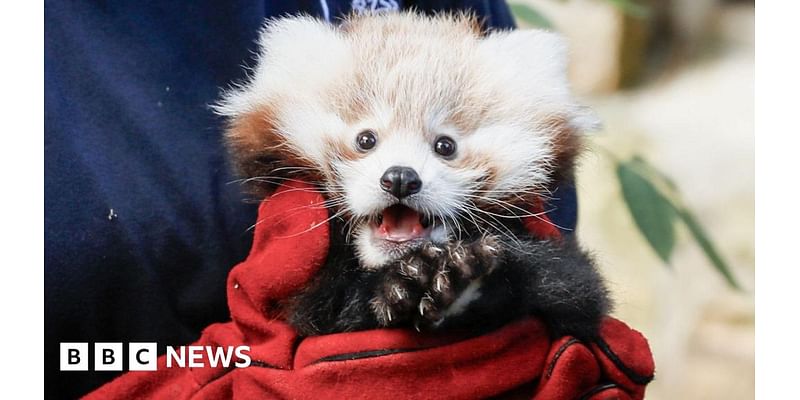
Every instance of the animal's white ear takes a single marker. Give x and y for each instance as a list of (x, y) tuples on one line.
[(536, 62), (296, 55), (541, 52), (585, 120)]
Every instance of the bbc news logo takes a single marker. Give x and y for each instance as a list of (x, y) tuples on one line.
[(144, 356)]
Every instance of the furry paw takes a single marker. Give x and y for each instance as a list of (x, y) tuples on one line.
[(420, 287)]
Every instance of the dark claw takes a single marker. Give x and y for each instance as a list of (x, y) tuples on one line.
[(422, 285)]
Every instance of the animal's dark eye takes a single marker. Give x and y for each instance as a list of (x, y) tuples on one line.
[(444, 146), (366, 140)]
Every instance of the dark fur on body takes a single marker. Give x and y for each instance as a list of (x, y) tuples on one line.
[(551, 279)]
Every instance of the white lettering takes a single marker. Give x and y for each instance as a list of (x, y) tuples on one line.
[(179, 358), (244, 357)]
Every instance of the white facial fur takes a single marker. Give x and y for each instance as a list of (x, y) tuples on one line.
[(411, 79)]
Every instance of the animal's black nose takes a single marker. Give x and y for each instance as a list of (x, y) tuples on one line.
[(401, 181)]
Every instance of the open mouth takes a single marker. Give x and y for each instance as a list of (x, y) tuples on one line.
[(399, 223)]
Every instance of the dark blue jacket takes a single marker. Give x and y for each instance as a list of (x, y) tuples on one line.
[(141, 223)]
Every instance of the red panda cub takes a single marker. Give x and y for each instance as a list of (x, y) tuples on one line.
[(430, 139)]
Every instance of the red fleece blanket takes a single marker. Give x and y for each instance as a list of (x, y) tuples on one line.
[(291, 240)]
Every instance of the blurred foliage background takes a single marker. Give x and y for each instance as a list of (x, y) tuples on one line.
[(667, 189)]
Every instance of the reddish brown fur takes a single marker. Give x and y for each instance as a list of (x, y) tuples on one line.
[(567, 145), (469, 117), (339, 149), (258, 149)]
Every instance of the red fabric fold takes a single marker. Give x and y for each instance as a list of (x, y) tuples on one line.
[(290, 244)]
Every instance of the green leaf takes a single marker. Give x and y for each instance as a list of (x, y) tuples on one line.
[(631, 8), (530, 16), (653, 214), (708, 247), (644, 166)]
